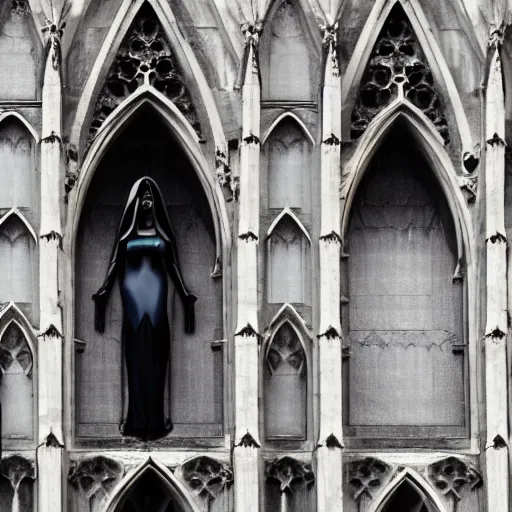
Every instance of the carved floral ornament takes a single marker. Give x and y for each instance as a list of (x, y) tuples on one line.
[(15, 469), (95, 477), (206, 477), (15, 354), (397, 68), (290, 474), (366, 476), (144, 57)]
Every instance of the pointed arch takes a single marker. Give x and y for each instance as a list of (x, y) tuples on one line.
[(440, 70), (430, 143), (158, 471), (295, 118), (287, 212), (286, 366), (289, 53), (193, 74), (11, 113), (16, 213), (18, 386), (186, 138), (410, 476)]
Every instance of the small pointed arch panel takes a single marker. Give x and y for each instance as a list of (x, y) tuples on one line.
[(20, 52), (405, 310), (288, 152), (18, 169), (397, 69), (19, 264), (285, 377), (194, 396), (16, 386), (145, 57), (408, 497), (288, 64), (151, 489), (288, 265)]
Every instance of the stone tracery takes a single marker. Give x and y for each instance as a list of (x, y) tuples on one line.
[(144, 57), (397, 68)]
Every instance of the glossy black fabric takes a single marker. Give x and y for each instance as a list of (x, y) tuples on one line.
[(142, 263), (146, 336)]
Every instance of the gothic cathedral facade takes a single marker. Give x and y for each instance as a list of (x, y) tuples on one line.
[(309, 355)]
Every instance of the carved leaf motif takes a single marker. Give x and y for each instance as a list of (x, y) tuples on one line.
[(95, 476), (290, 473), (207, 477), (366, 476), (397, 61), (452, 475), (144, 56)]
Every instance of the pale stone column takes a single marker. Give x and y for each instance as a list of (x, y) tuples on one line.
[(330, 442), (246, 452), (496, 447), (51, 441)]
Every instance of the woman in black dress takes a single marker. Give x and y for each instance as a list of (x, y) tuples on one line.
[(143, 254)]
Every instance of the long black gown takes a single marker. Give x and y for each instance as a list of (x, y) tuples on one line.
[(142, 264), (143, 286)]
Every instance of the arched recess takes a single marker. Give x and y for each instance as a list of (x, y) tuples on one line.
[(442, 76), (150, 486), (288, 260), (18, 372), (193, 76), (21, 51), (407, 489), (407, 318), (19, 264), (149, 136), (19, 172), (289, 55), (286, 363)]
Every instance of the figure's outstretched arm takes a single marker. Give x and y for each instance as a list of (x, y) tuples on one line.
[(188, 299), (101, 297)]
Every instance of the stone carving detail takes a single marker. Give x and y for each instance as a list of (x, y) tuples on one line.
[(95, 477), (15, 469), (207, 477), (19, 6), (397, 68), (144, 57), (290, 473), (452, 475), (15, 353), (366, 476), (286, 348)]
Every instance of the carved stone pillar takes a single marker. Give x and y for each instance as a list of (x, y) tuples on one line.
[(246, 452), (50, 345), (496, 447), (329, 468)]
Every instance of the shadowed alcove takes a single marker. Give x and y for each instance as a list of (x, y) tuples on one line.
[(404, 317), (194, 389)]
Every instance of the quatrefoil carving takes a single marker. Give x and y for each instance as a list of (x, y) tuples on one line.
[(290, 473), (95, 477), (452, 475), (366, 476), (15, 468), (207, 477)]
